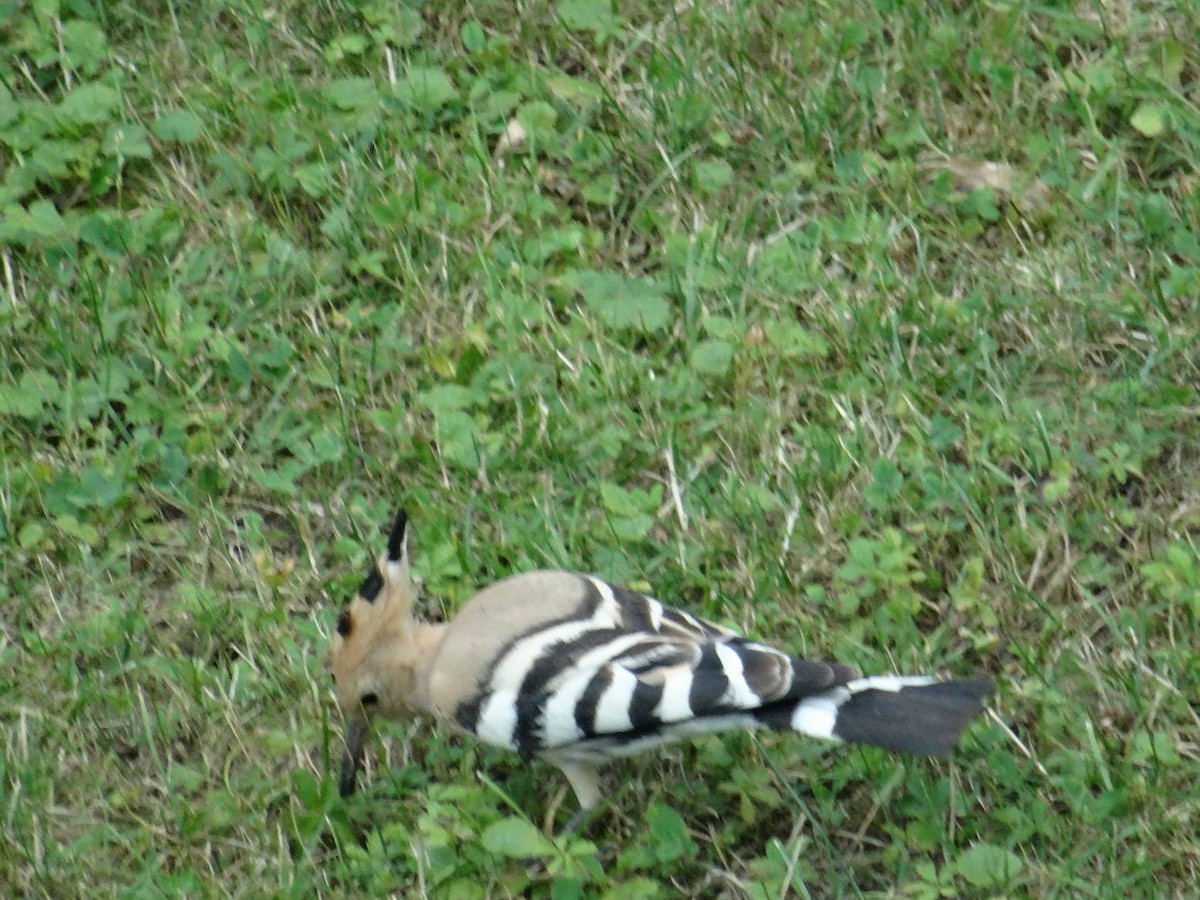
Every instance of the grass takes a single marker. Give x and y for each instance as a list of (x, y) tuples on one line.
[(869, 328)]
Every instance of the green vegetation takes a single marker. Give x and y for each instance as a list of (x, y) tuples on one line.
[(868, 327)]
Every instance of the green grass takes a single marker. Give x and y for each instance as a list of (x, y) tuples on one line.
[(742, 318)]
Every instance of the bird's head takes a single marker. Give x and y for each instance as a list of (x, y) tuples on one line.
[(373, 651)]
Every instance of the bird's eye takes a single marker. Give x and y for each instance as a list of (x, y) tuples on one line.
[(343, 623), (369, 700)]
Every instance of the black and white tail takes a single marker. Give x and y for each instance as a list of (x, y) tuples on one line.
[(911, 714)]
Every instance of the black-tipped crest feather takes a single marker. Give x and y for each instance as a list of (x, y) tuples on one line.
[(395, 548), (371, 585)]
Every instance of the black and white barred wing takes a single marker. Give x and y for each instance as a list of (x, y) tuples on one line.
[(662, 689), (595, 659), (666, 690), (626, 672)]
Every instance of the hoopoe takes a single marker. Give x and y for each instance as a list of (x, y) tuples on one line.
[(575, 671)]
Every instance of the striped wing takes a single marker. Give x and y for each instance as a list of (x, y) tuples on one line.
[(626, 673)]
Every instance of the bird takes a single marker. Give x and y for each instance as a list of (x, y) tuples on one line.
[(572, 670)]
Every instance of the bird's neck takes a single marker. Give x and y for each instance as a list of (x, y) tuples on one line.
[(427, 640)]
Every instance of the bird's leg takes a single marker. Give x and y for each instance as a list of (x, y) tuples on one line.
[(585, 781), (581, 815)]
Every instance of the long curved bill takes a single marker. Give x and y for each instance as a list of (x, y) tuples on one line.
[(356, 737)]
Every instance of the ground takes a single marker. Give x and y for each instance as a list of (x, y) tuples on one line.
[(869, 328)]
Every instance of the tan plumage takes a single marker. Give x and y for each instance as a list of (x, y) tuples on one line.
[(575, 671)]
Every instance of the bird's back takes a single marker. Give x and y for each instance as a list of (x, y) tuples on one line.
[(554, 661)]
